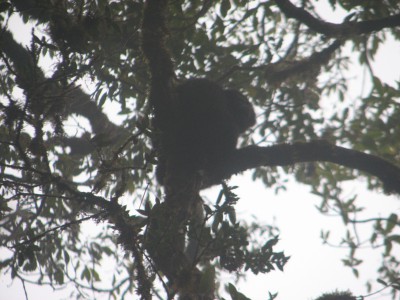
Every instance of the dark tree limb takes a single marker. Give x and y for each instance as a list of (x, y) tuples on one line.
[(34, 9), (155, 33), (338, 30), (281, 71), (315, 151), (284, 69)]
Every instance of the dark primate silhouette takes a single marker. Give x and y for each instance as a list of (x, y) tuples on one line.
[(206, 123)]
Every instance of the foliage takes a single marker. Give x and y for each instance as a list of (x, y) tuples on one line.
[(77, 124)]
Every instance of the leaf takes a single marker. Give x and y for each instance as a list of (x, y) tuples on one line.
[(59, 277), (270, 243), (232, 290), (217, 220), (382, 282), (102, 99), (86, 274), (279, 266), (272, 296), (355, 272), (391, 223), (21, 259), (232, 215), (388, 246), (66, 257), (95, 275), (5, 263), (235, 295), (221, 193), (207, 209), (225, 6), (4, 6), (394, 238), (107, 251), (142, 212)]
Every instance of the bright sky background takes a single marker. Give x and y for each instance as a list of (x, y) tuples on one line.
[(313, 268)]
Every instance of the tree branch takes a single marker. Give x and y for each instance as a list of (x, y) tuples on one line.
[(331, 29), (314, 151), (167, 228), (35, 238), (284, 69), (154, 37), (281, 71)]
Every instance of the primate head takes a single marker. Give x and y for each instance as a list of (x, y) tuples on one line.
[(207, 121), (241, 109)]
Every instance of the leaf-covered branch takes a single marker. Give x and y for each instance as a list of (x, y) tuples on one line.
[(44, 91), (315, 151), (346, 29), (32, 240), (281, 71), (128, 227)]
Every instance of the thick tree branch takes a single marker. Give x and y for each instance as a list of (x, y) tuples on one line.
[(281, 71), (332, 29), (284, 69), (154, 37), (35, 9), (322, 151)]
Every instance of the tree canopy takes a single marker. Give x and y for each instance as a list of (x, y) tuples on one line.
[(83, 105)]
